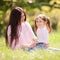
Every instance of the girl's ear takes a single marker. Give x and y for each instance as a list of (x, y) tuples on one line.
[(46, 22)]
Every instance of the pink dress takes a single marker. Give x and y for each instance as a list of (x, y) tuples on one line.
[(25, 34)]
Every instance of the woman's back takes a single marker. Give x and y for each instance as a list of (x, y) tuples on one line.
[(13, 46)]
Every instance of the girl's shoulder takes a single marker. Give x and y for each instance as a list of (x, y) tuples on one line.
[(9, 26), (42, 30)]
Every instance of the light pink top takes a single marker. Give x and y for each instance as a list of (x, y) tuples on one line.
[(42, 34), (25, 34), (9, 37)]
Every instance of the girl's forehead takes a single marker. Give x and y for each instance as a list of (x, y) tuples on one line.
[(38, 19)]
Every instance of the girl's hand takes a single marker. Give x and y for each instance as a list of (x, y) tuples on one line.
[(33, 45), (35, 40), (47, 45)]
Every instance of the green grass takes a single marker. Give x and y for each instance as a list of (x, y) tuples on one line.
[(54, 39), (8, 54)]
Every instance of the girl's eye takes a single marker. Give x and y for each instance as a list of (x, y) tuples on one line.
[(40, 21)]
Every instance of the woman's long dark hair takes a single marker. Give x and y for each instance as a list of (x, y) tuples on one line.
[(15, 18)]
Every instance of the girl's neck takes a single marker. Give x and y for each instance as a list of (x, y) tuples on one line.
[(41, 26)]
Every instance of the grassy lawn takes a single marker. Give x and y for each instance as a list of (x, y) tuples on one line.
[(8, 54)]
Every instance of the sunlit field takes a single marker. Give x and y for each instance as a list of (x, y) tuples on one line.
[(37, 54)]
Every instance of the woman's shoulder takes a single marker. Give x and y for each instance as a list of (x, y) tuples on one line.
[(9, 29), (26, 24)]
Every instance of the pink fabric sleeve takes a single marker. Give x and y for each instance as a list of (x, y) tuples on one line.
[(30, 30), (27, 34)]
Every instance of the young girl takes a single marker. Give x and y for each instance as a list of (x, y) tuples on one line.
[(16, 30), (41, 30)]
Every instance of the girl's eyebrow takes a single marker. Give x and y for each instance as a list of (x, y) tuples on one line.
[(40, 18)]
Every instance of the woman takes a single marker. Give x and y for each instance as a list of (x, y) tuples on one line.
[(14, 31)]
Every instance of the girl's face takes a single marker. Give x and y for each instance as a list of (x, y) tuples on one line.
[(39, 22)]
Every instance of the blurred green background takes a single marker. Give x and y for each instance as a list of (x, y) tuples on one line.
[(50, 8)]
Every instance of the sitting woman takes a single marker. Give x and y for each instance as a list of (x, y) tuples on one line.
[(16, 35)]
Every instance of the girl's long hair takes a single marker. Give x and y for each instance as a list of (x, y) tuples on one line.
[(15, 18), (48, 24)]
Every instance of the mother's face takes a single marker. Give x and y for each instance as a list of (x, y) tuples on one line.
[(22, 17)]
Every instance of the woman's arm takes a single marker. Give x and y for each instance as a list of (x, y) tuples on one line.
[(29, 28)]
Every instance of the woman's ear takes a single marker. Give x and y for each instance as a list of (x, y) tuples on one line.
[(19, 22)]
